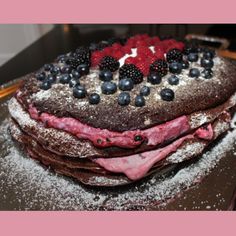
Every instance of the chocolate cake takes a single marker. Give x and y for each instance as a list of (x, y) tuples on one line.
[(122, 110)]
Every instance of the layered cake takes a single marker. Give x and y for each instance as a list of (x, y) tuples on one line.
[(118, 111)]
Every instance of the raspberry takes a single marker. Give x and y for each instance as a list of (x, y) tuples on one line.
[(154, 40), (144, 51), (159, 55), (130, 60), (132, 72), (174, 55), (177, 45), (159, 48), (109, 63), (107, 51), (160, 67), (96, 57), (116, 46), (143, 67), (151, 59), (117, 54), (141, 43), (126, 49)]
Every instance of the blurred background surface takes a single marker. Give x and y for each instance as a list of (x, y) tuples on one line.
[(25, 48)]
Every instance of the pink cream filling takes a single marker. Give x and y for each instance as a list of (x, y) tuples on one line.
[(137, 165), (106, 138)]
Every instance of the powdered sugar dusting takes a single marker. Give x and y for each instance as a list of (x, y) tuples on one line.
[(38, 188)]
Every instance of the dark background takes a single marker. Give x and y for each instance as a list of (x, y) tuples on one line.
[(64, 38)]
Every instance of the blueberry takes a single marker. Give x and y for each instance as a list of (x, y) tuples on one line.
[(124, 99), (185, 64), (167, 94), (173, 80), (47, 67), (108, 88), (139, 101), (207, 73), (175, 67), (207, 63), (65, 69), (55, 70), (40, 76), (145, 91), (105, 75), (64, 78), (51, 78), (73, 82), (75, 74), (209, 54), (154, 78), (194, 73), (94, 98), (83, 69), (46, 85), (193, 57), (126, 84), (79, 91)]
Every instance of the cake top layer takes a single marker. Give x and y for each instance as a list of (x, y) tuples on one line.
[(131, 85)]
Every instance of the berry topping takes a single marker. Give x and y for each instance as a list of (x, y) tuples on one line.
[(61, 58), (131, 71), (193, 57), (40, 76), (138, 138), (126, 84), (55, 70), (207, 73), (64, 78), (175, 67), (124, 99), (47, 67), (105, 75), (139, 101), (108, 88), (94, 98), (73, 82), (160, 67), (207, 63), (191, 49), (173, 80), (209, 54), (79, 91), (174, 55), (167, 94), (145, 91), (185, 64), (51, 78), (82, 56), (154, 78), (65, 69), (109, 63), (46, 85), (194, 73), (83, 69), (75, 74)]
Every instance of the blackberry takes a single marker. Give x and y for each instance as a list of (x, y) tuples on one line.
[(174, 55), (191, 47), (160, 67), (109, 63), (81, 56), (132, 72)]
